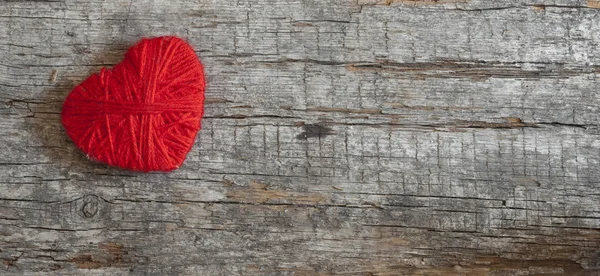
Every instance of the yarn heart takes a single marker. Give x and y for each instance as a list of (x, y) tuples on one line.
[(145, 112)]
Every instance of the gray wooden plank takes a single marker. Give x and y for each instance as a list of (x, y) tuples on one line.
[(341, 137)]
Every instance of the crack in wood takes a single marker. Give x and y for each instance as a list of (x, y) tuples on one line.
[(315, 131)]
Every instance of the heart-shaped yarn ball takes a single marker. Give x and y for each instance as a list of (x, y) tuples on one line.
[(145, 112)]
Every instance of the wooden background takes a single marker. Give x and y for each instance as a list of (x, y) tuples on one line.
[(341, 137)]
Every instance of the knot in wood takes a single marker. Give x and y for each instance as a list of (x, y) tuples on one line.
[(90, 206)]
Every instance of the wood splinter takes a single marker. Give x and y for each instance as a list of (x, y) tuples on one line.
[(53, 76)]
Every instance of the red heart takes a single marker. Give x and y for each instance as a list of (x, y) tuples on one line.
[(145, 112)]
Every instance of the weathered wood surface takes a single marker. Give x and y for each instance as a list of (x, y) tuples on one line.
[(354, 137)]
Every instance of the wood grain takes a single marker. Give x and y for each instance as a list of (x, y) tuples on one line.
[(352, 137)]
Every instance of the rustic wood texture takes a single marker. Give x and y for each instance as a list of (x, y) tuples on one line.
[(342, 137)]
